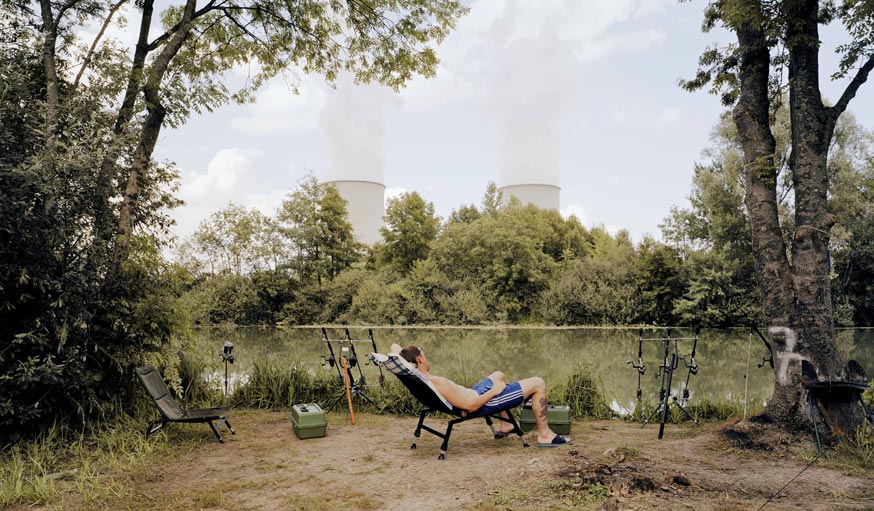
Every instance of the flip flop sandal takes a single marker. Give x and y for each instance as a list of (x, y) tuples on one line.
[(501, 434), (556, 442)]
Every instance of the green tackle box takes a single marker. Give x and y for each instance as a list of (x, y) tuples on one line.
[(308, 421), (558, 417)]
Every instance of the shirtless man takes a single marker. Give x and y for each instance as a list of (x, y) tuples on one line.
[(492, 393)]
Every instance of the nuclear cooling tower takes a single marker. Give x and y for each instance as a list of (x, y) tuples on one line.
[(541, 195), (365, 207)]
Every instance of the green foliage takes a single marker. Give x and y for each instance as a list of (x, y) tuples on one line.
[(411, 226), (596, 289), (272, 384), (313, 220), (659, 281), (583, 394)]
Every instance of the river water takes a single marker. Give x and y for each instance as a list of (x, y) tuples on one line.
[(724, 357)]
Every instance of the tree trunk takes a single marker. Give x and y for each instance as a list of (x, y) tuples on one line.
[(150, 130), (103, 219), (50, 39), (796, 294)]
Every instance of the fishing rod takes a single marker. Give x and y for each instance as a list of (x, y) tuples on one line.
[(640, 366), (380, 379), (353, 362), (331, 360), (692, 366)]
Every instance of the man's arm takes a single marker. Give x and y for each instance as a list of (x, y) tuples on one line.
[(464, 398)]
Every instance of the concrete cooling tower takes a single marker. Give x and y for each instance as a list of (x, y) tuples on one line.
[(541, 195), (365, 206)]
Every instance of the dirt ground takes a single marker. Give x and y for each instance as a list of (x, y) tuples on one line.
[(369, 466)]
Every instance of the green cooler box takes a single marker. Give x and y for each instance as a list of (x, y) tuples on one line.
[(308, 421), (559, 418)]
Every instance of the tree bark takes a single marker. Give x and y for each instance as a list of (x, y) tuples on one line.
[(796, 292), (103, 220), (150, 130), (50, 40)]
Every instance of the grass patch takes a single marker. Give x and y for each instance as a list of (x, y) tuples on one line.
[(557, 494), (854, 454), (67, 461), (704, 410), (584, 394)]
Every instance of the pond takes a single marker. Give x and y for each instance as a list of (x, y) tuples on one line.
[(467, 354)]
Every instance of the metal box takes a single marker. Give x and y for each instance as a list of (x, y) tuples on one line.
[(308, 421), (558, 417)]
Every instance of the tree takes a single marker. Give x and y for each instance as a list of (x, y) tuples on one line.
[(794, 280), (237, 240), (410, 227), (177, 71), (69, 333), (313, 220)]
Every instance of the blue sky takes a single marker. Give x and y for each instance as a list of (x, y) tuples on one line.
[(582, 94)]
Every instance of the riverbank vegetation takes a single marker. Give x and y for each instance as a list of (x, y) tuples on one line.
[(503, 262), (65, 454)]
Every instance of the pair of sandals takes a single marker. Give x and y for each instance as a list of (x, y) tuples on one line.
[(556, 442)]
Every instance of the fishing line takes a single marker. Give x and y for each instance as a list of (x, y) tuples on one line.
[(818, 456), (747, 376)]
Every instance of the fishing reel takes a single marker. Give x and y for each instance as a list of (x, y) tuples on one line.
[(227, 354), (640, 366), (641, 370)]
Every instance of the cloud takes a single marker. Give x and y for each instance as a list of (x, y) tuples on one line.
[(444, 88), (669, 116), (222, 183), (278, 110), (611, 45)]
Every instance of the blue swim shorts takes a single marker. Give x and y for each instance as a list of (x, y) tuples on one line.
[(509, 398)]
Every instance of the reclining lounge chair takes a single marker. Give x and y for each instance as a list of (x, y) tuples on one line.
[(425, 392), (171, 412)]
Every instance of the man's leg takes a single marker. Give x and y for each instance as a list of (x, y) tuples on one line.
[(535, 389)]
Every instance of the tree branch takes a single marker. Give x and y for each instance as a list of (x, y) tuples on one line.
[(94, 44), (850, 92), (210, 6)]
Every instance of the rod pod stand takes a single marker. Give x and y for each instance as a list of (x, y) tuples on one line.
[(666, 371), (356, 387)]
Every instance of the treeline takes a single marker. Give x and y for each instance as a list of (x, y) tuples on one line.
[(517, 264)]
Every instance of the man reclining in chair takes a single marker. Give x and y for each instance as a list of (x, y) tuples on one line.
[(494, 393)]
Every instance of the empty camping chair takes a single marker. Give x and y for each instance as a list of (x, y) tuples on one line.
[(171, 412), (425, 392)]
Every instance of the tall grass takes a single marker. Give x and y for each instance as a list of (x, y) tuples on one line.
[(703, 409), (583, 394), (276, 385), (67, 460)]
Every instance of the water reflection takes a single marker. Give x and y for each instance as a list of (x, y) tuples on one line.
[(466, 354)]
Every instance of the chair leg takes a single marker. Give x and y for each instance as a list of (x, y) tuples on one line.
[(491, 426), (516, 428), (418, 432), (445, 444), (216, 431), (154, 426), (227, 423)]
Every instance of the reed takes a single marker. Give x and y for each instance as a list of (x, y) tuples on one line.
[(584, 394), (277, 385)]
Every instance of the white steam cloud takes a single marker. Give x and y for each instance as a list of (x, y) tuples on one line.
[(353, 121)]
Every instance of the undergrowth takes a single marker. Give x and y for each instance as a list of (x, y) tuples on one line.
[(64, 460)]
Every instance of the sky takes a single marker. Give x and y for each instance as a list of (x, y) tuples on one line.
[(580, 94)]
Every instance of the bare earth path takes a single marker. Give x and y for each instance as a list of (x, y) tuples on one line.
[(369, 466)]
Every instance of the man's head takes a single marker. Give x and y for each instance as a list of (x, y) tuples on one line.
[(415, 356)]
